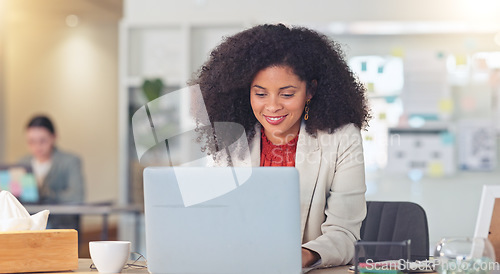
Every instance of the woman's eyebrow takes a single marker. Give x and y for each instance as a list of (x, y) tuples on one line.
[(285, 87), (290, 86), (257, 86)]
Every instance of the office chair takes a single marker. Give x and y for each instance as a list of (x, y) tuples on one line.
[(395, 222)]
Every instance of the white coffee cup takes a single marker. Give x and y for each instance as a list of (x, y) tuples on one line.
[(109, 256)]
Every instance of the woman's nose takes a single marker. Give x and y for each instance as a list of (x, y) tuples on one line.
[(273, 105)]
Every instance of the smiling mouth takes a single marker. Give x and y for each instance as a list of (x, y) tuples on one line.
[(274, 120)]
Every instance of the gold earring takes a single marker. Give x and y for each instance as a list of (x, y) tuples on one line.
[(306, 116)]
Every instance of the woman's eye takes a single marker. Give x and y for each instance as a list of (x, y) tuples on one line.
[(260, 94), (286, 95)]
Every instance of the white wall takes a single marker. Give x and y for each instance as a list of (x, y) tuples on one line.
[(2, 126)]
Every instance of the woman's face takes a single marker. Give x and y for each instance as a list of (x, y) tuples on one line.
[(40, 142), (278, 98)]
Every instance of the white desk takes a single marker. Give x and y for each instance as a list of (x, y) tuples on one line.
[(84, 267)]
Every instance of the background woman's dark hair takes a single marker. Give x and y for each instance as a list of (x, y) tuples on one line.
[(42, 121), (226, 77)]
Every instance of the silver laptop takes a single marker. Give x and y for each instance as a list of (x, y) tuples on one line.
[(222, 220)]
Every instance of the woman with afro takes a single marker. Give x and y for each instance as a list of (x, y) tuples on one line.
[(300, 105)]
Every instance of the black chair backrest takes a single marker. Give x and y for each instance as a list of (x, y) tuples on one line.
[(395, 222)]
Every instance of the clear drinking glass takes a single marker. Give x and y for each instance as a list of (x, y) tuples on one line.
[(464, 256)]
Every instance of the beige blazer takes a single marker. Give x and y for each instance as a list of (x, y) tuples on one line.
[(332, 190)]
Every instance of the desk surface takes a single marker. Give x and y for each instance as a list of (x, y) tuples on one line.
[(87, 209), (84, 267)]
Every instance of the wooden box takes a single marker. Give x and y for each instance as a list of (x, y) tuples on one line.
[(38, 251)]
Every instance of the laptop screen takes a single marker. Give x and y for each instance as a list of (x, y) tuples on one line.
[(20, 181), (195, 214)]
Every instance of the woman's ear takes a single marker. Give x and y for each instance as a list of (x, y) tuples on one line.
[(312, 89)]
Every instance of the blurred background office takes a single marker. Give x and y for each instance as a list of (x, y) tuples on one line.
[(431, 68)]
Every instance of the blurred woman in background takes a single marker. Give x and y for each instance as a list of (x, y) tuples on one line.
[(58, 173)]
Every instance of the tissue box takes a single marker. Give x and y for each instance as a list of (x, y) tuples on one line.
[(38, 251)]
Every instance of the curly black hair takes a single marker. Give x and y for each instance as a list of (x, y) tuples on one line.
[(225, 78)]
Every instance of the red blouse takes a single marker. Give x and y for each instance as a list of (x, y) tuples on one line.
[(277, 155)]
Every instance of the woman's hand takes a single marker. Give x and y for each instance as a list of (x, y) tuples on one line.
[(309, 257)]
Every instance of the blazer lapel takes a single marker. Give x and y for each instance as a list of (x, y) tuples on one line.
[(307, 162)]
